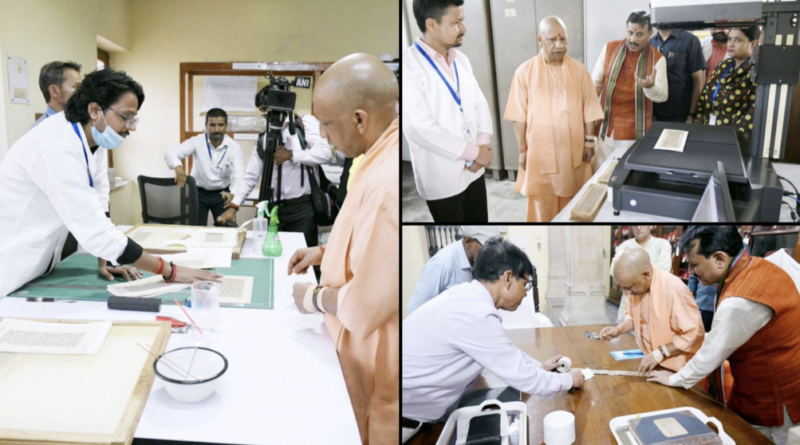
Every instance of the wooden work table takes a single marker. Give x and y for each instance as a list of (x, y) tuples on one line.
[(603, 397)]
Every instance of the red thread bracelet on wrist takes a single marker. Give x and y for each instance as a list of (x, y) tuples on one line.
[(159, 267)]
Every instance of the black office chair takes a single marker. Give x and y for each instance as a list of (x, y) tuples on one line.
[(163, 202)]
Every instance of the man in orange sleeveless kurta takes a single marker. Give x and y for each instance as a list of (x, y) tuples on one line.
[(754, 328), (629, 76)]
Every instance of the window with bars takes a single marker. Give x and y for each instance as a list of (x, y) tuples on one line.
[(440, 236)]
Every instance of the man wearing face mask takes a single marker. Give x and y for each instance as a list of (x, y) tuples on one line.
[(630, 75), (46, 182), (58, 80), (218, 164), (715, 49)]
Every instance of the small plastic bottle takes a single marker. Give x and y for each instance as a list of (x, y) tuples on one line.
[(259, 226), (272, 245)]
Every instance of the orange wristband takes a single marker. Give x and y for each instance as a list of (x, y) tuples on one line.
[(159, 267)]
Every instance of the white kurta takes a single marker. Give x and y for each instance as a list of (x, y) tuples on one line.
[(659, 249), (432, 124), (44, 194)]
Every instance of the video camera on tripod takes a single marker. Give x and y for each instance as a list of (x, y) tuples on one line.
[(279, 101)]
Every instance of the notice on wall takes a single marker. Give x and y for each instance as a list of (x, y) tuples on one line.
[(18, 86), (231, 93)]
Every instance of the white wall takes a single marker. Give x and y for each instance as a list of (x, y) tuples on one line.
[(415, 255), (605, 22), (41, 31)]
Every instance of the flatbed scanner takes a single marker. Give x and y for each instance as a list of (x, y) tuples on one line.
[(671, 183)]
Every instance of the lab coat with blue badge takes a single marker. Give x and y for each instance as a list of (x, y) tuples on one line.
[(45, 193)]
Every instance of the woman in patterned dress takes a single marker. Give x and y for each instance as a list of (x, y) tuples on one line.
[(728, 98)]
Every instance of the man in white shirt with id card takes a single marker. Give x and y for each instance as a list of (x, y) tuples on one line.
[(446, 118), (218, 164)]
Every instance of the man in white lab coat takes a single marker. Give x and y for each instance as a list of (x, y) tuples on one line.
[(46, 184), (58, 81)]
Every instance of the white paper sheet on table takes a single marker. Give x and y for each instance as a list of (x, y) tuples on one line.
[(220, 256), (236, 290), (145, 287), (196, 260), (33, 337)]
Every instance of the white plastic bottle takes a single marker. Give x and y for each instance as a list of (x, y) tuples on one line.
[(260, 226)]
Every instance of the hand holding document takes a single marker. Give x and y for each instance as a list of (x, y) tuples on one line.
[(673, 140), (33, 337)]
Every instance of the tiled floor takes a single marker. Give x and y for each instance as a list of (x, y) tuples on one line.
[(504, 205)]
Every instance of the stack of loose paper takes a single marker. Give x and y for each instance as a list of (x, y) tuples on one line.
[(33, 337), (145, 287)]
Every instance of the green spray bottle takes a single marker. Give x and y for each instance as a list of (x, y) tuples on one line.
[(272, 244)]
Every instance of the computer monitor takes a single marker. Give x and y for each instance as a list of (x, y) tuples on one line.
[(716, 204)]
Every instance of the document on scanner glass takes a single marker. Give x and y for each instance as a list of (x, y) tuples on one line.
[(673, 140)]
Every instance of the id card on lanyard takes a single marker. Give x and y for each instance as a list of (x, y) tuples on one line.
[(467, 128), (712, 118), (85, 156), (208, 146)]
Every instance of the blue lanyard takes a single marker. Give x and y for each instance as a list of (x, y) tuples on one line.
[(456, 96), (208, 146), (719, 82), (85, 156)]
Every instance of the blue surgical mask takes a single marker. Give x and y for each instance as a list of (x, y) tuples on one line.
[(108, 139)]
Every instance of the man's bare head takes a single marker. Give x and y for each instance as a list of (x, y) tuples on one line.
[(354, 101), (553, 38), (633, 271)]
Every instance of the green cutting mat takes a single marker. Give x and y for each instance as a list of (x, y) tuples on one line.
[(76, 278)]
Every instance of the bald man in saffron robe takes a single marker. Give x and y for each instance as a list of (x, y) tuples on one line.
[(554, 106), (354, 101), (660, 311)]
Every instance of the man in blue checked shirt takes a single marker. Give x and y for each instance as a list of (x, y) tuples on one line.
[(452, 265)]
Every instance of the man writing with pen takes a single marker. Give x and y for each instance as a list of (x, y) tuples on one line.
[(660, 310), (218, 164)]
